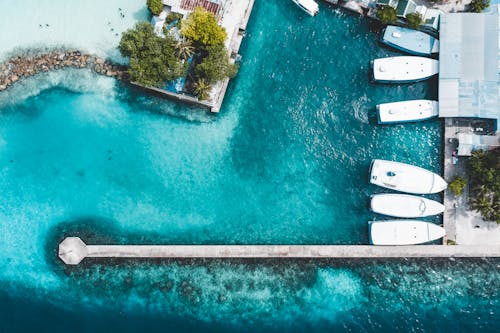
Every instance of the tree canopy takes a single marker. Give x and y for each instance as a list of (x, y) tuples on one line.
[(215, 66), (414, 20), (152, 58), (387, 14), (477, 6), (201, 27), (484, 172), (155, 6), (457, 185)]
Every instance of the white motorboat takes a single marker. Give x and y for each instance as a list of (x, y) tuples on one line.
[(404, 232), (309, 6), (404, 205), (405, 178), (404, 69), (407, 111), (411, 41)]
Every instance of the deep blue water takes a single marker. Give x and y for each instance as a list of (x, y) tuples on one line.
[(286, 161)]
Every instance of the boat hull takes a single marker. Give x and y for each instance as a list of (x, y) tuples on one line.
[(308, 6), (404, 232), (404, 205), (404, 177)]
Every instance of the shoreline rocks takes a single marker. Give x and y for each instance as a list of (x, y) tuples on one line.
[(21, 67)]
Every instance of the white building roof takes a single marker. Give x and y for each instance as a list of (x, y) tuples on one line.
[(469, 69)]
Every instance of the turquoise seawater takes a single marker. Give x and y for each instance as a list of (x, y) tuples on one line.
[(286, 161)]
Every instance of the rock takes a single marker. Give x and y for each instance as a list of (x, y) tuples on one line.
[(2, 87), (14, 78), (99, 61)]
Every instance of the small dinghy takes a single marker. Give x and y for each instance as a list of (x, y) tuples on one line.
[(404, 232), (405, 69), (309, 6), (405, 178), (404, 205), (407, 111)]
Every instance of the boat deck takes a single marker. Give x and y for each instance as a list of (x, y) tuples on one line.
[(404, 69), (411, 41)]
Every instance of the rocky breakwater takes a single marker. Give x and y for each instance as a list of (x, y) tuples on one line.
[(21, 67)]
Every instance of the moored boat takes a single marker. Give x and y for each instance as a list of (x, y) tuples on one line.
[(407, 111), (405, 177), (404, 205), (404, 232), (404, 69), (309, 6), (410, 41)]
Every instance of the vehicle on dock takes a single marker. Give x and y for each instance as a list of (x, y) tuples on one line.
[(404, 232), (309, 6), (410, 41), (404, 205), (404, 69), (407, 111), (405, 177)]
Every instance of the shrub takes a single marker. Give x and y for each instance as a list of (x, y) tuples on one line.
[(155, 6), (201, 89), (414, 20), (387, 14), (201, 27), (152, 58), (171, 17), (477, 6), (457, 185)]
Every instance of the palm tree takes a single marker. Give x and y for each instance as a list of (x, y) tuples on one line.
[(483, 205), (184, 49), (201, 88)]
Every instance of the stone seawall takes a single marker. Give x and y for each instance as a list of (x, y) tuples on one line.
[(21, 67)]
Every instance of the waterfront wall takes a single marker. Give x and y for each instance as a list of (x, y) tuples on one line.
[(73, 250), (21, 67)]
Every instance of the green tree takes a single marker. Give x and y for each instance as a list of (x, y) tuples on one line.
[(201, 27), (155, 6), (477, 6), (484, 172), (152, 58), (387, 14), (215, 66), (201, 89), (414, 20), (457, 185), (184, 49)]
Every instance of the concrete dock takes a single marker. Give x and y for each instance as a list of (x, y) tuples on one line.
[(73, 250)]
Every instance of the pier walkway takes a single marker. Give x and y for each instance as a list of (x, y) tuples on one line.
[(73, 250)]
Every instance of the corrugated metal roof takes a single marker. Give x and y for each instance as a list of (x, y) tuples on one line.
[(469, 73)]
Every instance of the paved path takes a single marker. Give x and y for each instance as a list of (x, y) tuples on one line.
[(73, 250)]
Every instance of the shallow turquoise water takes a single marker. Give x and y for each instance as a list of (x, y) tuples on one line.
[(92, 26), (286, 161)]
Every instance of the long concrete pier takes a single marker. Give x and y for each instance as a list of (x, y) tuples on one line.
[(73, 250)]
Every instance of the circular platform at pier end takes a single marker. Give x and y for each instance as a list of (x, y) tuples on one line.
[(72, 250)]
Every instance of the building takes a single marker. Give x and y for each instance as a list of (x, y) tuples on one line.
[(430, 16), (469, 69), (186, 6)]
